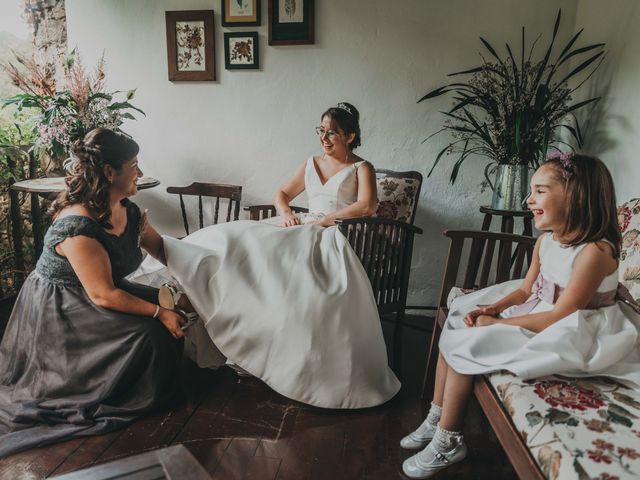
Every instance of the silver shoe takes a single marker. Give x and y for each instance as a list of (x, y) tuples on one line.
[(413, 467), (420, 437), (169, 295)]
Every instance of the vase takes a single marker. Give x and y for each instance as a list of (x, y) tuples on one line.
[(510, 187)]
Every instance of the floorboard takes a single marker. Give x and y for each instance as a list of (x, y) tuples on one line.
[(238, 428)]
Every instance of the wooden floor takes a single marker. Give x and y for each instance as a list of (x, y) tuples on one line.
[(238, 428)]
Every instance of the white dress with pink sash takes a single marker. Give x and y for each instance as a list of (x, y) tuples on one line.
[(602, 339)]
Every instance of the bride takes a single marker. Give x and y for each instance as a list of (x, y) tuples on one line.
[(293, 306)]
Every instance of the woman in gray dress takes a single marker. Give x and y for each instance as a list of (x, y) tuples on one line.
[(81, 355)]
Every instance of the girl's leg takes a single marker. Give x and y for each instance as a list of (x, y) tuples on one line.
[(441, 377), (456, 393), (422, 435), (447, 445)]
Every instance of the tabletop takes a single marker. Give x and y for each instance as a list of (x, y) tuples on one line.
[(56, 184)]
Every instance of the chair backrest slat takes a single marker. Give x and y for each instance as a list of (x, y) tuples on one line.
[(184, 215), (232, 193), (488, 260)]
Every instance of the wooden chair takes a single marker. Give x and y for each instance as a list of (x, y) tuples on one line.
[(480, 258), (385, 248), (215, 190), (384, 243)]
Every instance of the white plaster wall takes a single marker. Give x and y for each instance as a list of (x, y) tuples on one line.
[(613, 131), (254, 127)]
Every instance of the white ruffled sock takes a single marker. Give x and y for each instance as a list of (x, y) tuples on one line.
[(431, 422)]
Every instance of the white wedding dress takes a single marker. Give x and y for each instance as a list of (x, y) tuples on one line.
[(291, 306)]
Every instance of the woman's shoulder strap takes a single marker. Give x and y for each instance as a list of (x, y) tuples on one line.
[(73, 226)]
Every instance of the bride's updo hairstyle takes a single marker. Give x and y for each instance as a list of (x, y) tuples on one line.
[(85, 180), (347, 118)]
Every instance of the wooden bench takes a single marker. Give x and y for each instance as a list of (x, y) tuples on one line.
[(553, 427)]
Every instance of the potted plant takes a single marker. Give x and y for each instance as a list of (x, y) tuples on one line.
[(511, 109), (64, 116)]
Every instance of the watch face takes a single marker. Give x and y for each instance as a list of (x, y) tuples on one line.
[(167, 296)]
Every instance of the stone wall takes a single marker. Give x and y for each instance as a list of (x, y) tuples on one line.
[(48, 20)]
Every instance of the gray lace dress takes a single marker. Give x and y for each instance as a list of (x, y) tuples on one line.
[(69, 368)]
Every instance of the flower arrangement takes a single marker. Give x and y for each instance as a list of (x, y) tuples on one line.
[(511, 111), (67, 115)]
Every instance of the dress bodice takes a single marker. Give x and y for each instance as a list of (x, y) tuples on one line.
[(123, 250), (339, 191), (556, 263)]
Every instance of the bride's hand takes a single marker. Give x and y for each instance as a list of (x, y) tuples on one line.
[(323, 222), (290, 220), (172, 321)]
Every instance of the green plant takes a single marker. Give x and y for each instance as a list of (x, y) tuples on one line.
[(64, 116), (511, 111), (17, 229)]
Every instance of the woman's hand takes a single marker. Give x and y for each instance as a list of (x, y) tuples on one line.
[(471, 318), (290, 220), (172, 321), (323, 222)]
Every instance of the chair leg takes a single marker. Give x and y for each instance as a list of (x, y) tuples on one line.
[(397, 343), (432, 361)]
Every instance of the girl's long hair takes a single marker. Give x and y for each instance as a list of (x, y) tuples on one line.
[(591, 213), (86, 183)]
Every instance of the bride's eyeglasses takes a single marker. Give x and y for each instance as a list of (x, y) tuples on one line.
[(330, 134)]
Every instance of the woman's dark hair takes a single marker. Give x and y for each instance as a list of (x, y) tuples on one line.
[(85, 180), (591, 213), (347, 117)]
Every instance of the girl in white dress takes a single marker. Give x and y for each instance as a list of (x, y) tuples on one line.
[(293, 306), (568, 316)]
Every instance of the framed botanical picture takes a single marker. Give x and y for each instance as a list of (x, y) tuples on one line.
[(291, 22), (241, 50), (190, 48), (240, 13)]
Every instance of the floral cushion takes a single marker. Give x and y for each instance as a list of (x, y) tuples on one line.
[(397, 197), (575, 428), (629, 221)]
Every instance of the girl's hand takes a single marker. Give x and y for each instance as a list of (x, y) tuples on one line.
[(172, 321), (290, 220), (471, 317), (486, 320)]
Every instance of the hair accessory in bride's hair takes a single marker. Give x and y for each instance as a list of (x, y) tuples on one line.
[(565, 160), (345, 107)]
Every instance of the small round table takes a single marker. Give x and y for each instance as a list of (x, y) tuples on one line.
[(45, 186), (49, 187), (507, 219)]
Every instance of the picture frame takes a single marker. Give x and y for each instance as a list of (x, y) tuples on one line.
[(291, 22), (190, 45), (241, 51), (240, 13)]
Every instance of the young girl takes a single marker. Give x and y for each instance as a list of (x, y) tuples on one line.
[(564, 318)]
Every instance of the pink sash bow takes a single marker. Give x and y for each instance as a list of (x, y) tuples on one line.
[(546, 291)]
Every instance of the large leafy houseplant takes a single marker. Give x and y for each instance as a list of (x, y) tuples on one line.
[(65, 115), (511, 109)]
